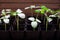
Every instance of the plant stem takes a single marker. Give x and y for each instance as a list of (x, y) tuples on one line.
[(37, 15), (17, 23), (44, 21), (57, 20), (32, 12), (58, 23), (5, 26), (46, 25), (33, 29), (59, 26)]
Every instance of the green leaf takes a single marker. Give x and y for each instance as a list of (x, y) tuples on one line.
[(57, 10), (44, 7), (42, 11), (13, 14), (37, 11), (3, 14)]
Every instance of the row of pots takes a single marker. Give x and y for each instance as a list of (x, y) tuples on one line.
[(28, 27), (30, 35), (40, 27), (26, 24)]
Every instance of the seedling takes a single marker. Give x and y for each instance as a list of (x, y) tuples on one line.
[(5, 17), (44, 10), (18, 14), (57, 14), (35, 21)]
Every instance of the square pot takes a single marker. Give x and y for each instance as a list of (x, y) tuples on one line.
[(49, 35), (32, 35), (21, 27), (2, 27), (4, 35), (58, 35), (43, 27), (17, 35)]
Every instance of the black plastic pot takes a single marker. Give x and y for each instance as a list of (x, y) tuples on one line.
[(49, 35), (17, 35), (58, 35), (4, 35), (32, 35), (21, 27)]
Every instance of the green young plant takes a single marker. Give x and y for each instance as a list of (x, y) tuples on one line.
[(4, 15), (5, 18), (37, 11), (18, 14), (58, 15), (35, 21), (44, 10), (17, 19)]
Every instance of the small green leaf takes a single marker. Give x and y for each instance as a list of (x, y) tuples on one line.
[(57, 10), (42, 11), (3, 14), (37, 11), (13, 14), (44, 7)]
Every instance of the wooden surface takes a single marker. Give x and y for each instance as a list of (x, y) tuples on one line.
[(14, 4)]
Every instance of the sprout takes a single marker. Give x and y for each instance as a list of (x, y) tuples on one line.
[(32, 18), (34, 22), (5, 16), (58, 15), (43, 11), (19, 14), (5, 20)]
